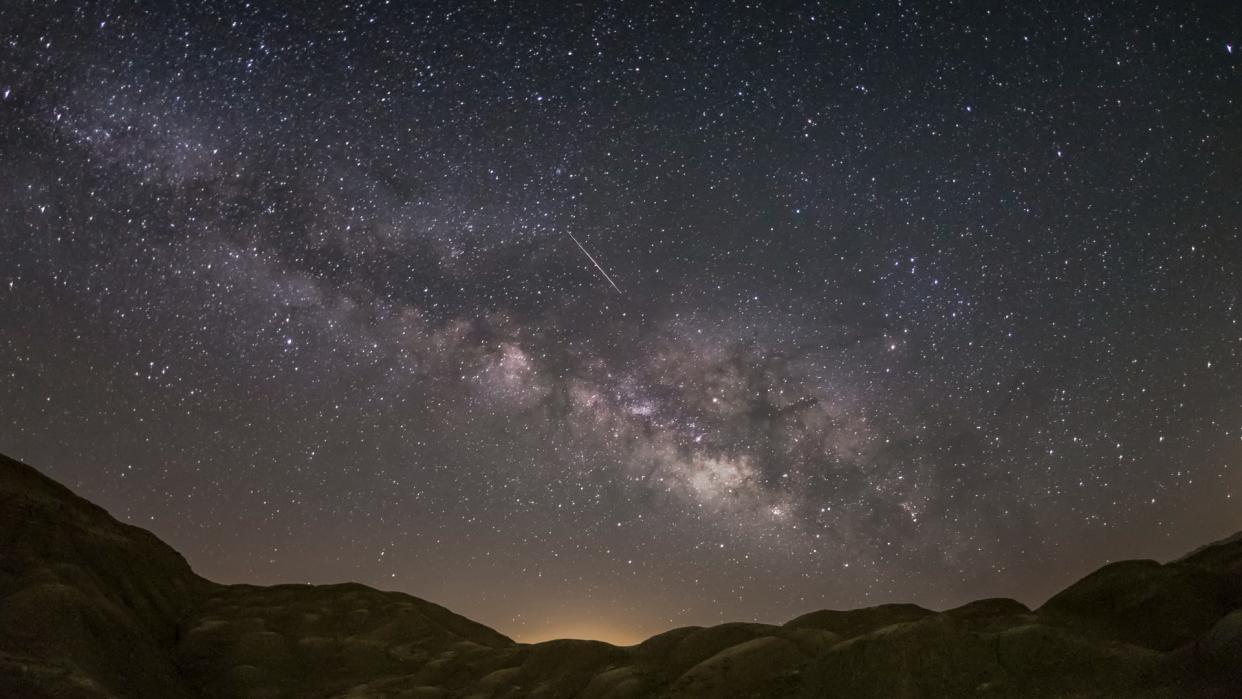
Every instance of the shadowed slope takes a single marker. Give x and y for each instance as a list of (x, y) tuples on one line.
[(89, 604), (92, 608)]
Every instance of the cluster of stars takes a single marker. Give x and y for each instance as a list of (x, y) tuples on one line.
[(688, 313)]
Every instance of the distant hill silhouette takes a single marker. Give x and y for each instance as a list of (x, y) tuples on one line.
[(93, 608)]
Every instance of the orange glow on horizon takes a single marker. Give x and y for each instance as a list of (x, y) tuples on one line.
[(585, 631)]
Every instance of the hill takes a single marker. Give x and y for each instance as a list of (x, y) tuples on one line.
[(93, 608)]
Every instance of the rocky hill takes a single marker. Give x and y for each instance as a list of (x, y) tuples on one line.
[(93, 608)]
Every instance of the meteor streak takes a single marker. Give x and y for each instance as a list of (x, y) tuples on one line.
[(592, 259)]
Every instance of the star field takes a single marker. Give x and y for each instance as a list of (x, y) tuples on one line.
[(913, 302)]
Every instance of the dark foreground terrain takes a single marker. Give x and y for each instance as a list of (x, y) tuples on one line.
[(91, 607)]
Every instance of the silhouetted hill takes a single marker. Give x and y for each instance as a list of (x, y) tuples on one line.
[(93, 608)]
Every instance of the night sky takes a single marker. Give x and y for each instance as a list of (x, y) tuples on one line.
[(912, 302)]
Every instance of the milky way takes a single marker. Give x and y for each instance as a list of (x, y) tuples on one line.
[(920, 303)]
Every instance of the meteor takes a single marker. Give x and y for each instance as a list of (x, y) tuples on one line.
[(592, 259)]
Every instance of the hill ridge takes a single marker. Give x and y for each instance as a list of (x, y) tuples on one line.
[(94, 607)]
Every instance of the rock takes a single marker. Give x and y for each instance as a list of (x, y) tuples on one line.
[(91, 608)]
